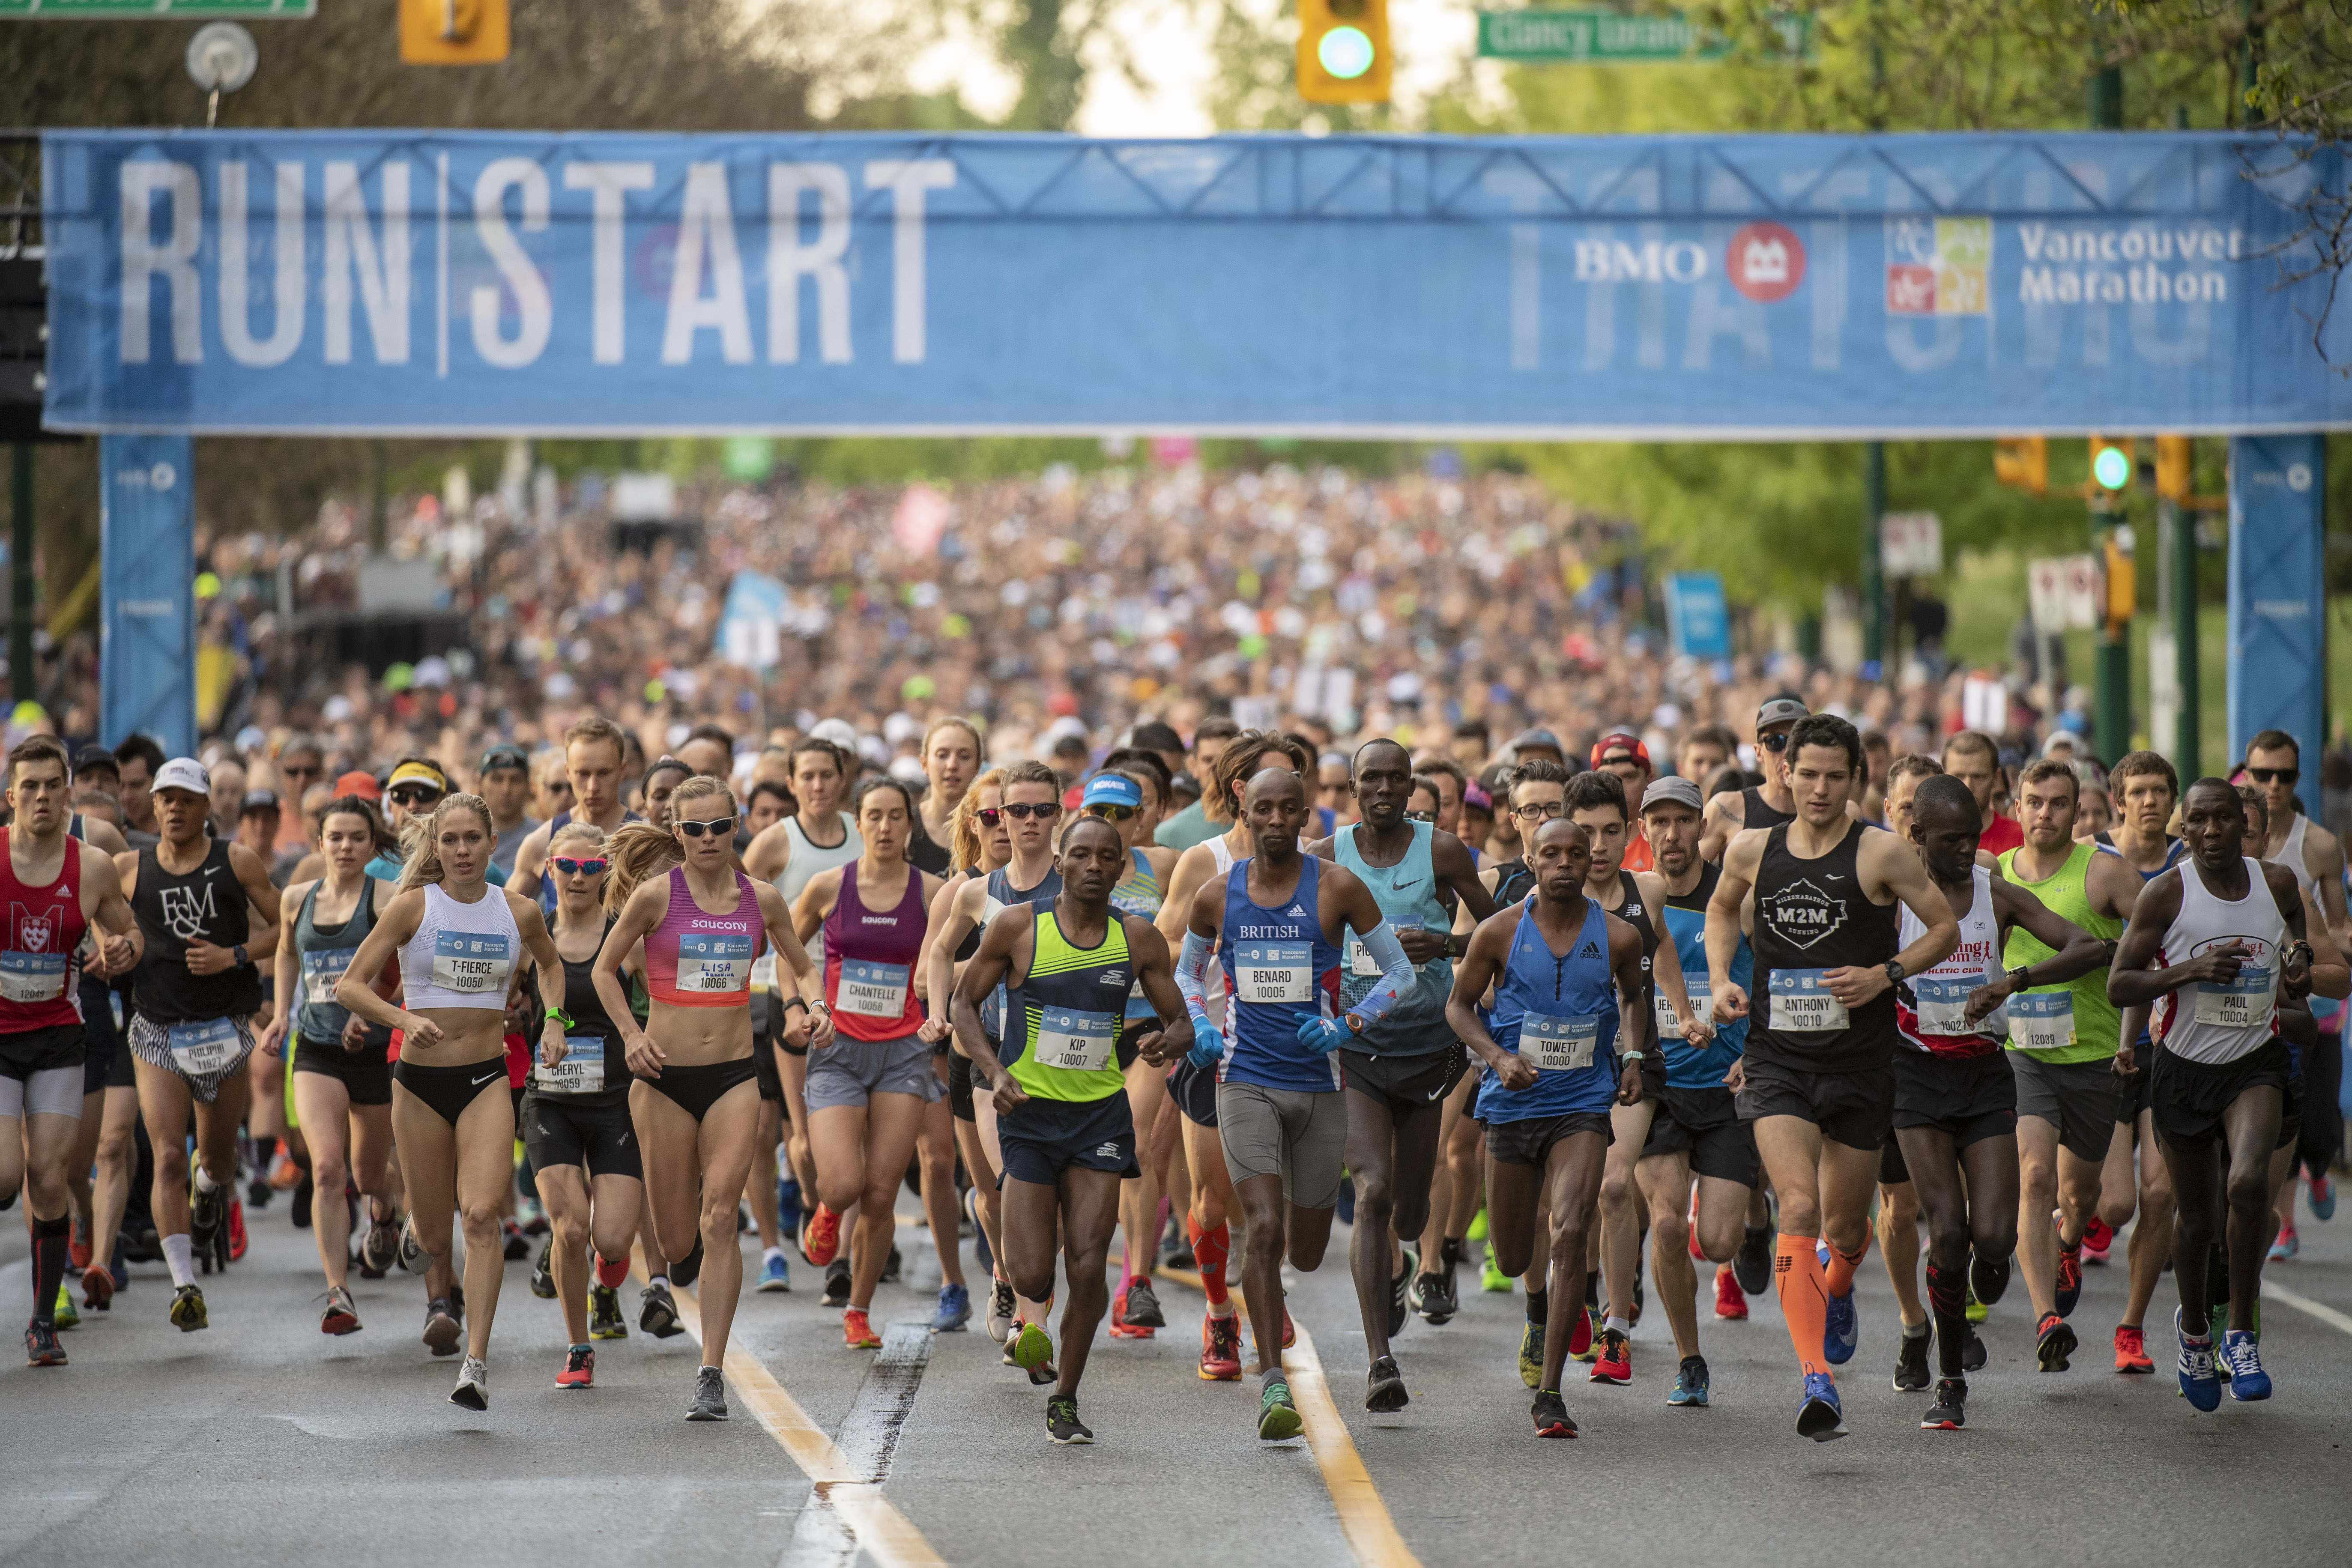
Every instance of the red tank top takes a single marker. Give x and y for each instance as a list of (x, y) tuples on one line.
[(869, 962), (37, 990)]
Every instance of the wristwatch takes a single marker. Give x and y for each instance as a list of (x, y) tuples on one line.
[(238, 953), (562, 1017), (1894, 971), (2017, 977), (2297, 951), (1355, 1024)]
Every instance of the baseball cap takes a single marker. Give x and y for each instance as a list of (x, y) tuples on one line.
[(360, 783), (1476, 799), (1780, 710), (504, 756), (1679, 791), (1112, 789), (839, 731), (183, 773), (259, 800), (1620, 739), (96, 759), (1538, 738)]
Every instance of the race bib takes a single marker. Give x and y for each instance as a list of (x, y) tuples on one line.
[(763, 973), (873, 990), (714, 961), (1360, 962), (1073, 1040), (1558, 1045), (2042, 1020), (320, 970), (1943, 1007), (32, 976), (198, 1049), (472, 960), (1701, 1003), (1801, 1003), (581, 1070), (1274, 972), (2243, 1003)]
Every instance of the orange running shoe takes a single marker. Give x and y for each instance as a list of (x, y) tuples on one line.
[(78, 1249), (1730, 1300), (824, 1238), (857, 1333), (284, 1173), (2131, 1351), (1221, 1348), (96, 1287), (1120, 1329)]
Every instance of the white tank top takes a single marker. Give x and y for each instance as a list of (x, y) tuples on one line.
[(1938, 1023), (809, 859), (462, 955), (1212, 989), (2221, 1023), (2290, 855)]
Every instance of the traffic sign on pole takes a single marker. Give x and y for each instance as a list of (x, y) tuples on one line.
[(156, 10), (1615, 38)]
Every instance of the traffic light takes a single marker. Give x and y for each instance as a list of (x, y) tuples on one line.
[(453, 32), (1343, 51), (2175, 471), (2123, 585), (2022, 463), (2111, 464)]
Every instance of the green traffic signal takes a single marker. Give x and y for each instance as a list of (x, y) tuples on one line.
[(1345, 52), (2112, 467)]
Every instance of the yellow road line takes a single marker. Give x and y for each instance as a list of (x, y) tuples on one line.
[(2324, 1313), (889, 1536)]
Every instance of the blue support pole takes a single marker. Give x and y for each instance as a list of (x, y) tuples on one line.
[(147, 578), (2278, 592)]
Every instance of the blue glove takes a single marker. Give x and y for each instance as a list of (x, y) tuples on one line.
[(1323, 1034), (1208, 1047)]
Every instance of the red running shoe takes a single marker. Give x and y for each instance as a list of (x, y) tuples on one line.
[(1615, 1362), (823, 1236), (96, 1287), (1580, 1338), (2131, 1351), (2097, 1237), (1730, 1300), (579, 1368), (1221, 1348), (237, 1240), (1120, 1329), (78, 1249), (858, 1330)]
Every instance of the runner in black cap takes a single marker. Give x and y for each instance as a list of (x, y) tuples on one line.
[(1767, 805)]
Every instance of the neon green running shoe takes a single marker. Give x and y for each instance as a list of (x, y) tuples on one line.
[(1491, 1277), (68, 1316), (1531, 1349), (1978, 1311), (1277, 1417), (1032, 1348), (1478, 1226)]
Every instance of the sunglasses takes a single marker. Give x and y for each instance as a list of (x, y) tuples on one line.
[(1539, 811), (571, 868), (1108, 811), (415, 795), (297, 771), (1421, 817), (1779, 742), (1021, 812), (716, 828), (2275, 775)]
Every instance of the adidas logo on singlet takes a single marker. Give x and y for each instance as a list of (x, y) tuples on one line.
[(1295, 912), (1590, 950)]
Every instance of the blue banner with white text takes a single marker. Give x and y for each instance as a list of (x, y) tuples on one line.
[(147, 590), (2278, 596), (1742, 287)]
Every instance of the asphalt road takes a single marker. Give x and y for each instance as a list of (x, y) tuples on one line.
[(260, 1442)]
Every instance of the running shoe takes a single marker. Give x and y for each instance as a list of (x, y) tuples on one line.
[(303, 1193), (283, 1171), (63, 1315), (1143, 1309), (1690, 1381), (1730, 1300), (414, 1259), (1221, 1348), (1973, 1355), (1384, 1386), (890, 1265), (1531, 1351), (1477, 1231), (1580, 1336), (1820, 1416), (381, 1249), (237, 1240), (2097, 1237), (709, 1396), (2320, 1193), (2198, 1383), (2053, 1341), (1289, 1330), (822, 1241), (518, 1245), (96, 1287), (2248, 1381), (78, 1249), (1550, 1412), (1120, 1329), (1976, 1311), (1400, 1307), (188, 1310), (473, 1390), (1277, 1417), (955, 1310), (1911, 1361), (1435, 1298), (2131, 1351), (41, 1347), (441, 1327), (1490, 1278), (531, 1215), (1615, 1362), (206, 1213), (1841, 1324), (2070, 1280), (837, 1283), (579, 1368), (1950, 1411), (542, 1281), (2284, 1245), (118, 1267), (342, 1315), (775, 1274), (1062, 1423), (1032, 1348), (1001, 1309), (1752, 1264), (658, 1311), (604, 1319)]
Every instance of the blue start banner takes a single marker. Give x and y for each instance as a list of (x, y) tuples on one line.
[(1744, 286)]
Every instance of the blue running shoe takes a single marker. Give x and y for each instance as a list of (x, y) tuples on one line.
[(2248, 1381), (775, 1274), (1841, 1324), (2199, 1385), (2320, 1191), (955, 1309), (788, 1203), (1821, 1418), (1690, 1381)]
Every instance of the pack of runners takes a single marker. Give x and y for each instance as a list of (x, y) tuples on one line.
[(1730, 1024)]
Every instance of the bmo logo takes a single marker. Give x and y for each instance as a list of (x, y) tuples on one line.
[(1765, 261)]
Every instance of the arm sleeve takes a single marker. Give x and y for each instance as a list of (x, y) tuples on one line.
[(1192, 965), (1396, 974)]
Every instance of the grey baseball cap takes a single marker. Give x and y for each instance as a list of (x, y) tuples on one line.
[(1680, 791), (1780, 710)]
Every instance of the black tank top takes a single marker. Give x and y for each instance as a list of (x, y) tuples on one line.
[(1813, 915), (1513, 882), (1754, 813), (1634, 914), (588, 1018), (207, 904)]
